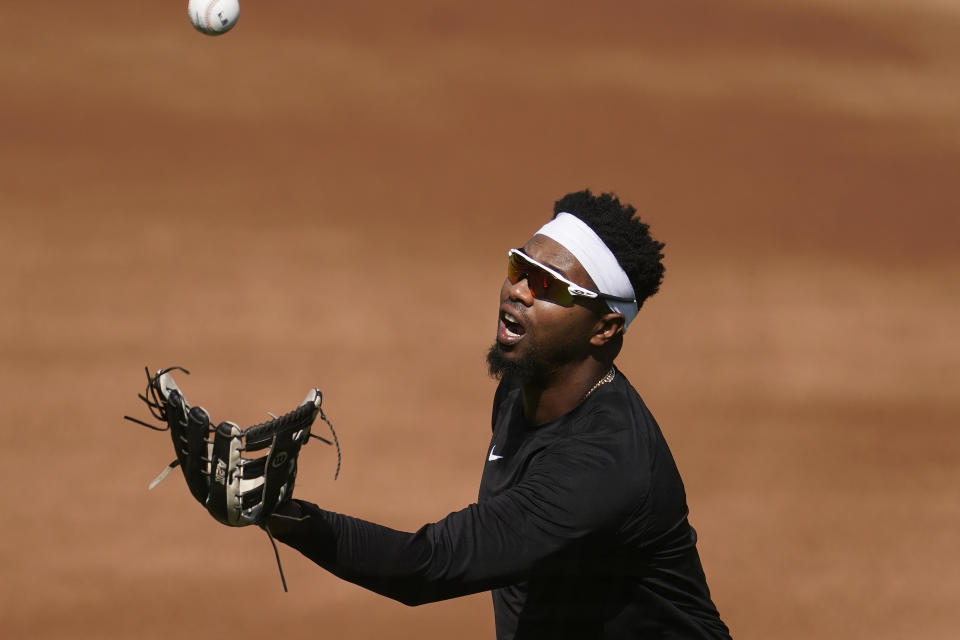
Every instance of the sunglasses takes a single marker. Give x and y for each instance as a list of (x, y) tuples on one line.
[(547, 284)]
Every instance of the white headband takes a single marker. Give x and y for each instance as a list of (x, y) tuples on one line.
[(578, 238)]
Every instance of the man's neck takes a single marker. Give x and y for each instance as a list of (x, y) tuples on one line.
[(544, 401)]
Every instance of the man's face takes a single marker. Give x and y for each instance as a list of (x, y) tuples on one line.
[(535, 337)]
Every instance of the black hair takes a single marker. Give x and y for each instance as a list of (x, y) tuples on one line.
[(627, 237)]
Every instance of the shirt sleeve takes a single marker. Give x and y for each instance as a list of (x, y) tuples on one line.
[(576, 487)]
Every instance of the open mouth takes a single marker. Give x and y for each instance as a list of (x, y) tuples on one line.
[(510, 330)]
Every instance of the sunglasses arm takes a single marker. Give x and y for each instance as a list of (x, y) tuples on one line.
[(581, 292)]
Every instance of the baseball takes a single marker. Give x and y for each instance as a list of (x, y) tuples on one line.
[(213, 17)]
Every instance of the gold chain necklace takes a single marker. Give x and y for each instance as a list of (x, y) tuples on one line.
[(602, 381)]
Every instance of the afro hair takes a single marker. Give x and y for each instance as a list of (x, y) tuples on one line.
[(627, 237)]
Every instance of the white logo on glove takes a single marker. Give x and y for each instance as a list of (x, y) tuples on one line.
[(220, 474)]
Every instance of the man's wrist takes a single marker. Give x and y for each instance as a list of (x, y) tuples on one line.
[(286, 517)]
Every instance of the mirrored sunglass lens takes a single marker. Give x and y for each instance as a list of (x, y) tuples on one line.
[(542, 284), (514, 268), (555, 290)]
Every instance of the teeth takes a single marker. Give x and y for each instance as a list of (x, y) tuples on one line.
[(511, 325)]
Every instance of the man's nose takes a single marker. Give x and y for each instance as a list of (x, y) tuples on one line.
[(521, 291)]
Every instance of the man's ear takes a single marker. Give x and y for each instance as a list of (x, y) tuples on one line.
[(608, 327)]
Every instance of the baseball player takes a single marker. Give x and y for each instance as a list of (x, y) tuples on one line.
[(580, 529)]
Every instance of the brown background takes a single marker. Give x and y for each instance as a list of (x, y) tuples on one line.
[(324, 196)]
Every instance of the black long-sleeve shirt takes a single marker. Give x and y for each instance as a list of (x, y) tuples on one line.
[(580, 531)]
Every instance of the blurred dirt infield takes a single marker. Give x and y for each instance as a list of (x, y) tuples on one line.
[(322, 197)]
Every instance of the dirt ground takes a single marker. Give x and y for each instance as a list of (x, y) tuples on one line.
[(323, 197)]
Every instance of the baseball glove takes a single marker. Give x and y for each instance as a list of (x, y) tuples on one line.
[(237, 490)]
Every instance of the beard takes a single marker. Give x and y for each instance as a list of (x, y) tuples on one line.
[(529, 367)]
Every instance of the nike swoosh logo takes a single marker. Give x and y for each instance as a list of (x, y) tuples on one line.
[(493, 457)]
